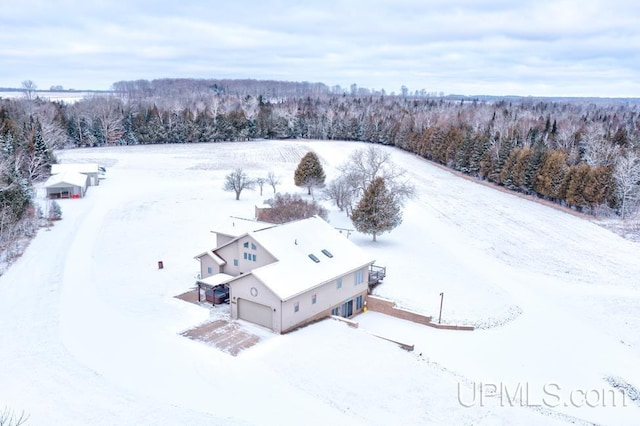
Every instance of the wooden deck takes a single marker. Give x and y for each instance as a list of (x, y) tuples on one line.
[(376, 275)]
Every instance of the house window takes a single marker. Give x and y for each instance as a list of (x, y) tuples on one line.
[(339, 283), (313, 299), (335, 311), (314, 258), (253, 257), (327, 253), (359, 277), (209, 270), (253, 246), (245, 255), (235, 262), (296, 307), (246, 244), (359, 302)]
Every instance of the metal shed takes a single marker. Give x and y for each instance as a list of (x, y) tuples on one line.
[(66, 185)]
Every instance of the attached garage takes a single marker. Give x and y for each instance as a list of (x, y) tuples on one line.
[(256, 313)]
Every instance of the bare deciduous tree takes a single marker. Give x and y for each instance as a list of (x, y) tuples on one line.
[(365, 165), (238, 181), (9, 418), (627, 178), (106, 111), (340, 192), (33, 164), (260, 182), (29, 88), (597, 151), (273, 180)]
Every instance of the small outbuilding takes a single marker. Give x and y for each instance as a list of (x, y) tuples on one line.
[(66, 185), (91, 170)]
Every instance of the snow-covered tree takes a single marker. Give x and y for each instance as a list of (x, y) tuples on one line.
[(627, 178), (41, 158), (309, 173), (365, 165), (238, 181), (54, 212), (378, 210), (29, 88), (339, 191)]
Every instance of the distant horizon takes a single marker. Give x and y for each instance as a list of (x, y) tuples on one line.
[(543, 48), (346, 89)]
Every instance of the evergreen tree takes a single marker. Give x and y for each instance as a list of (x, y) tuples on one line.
[(497, 163), (43, 155), (7, 146), (573, 186), (54, 211), (481, 144), (521, 168), (551, 175), (507, 172), (535, 162), (378, 210), (309, 173)]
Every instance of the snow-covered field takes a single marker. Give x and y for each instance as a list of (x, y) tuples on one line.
[(89, 327), (54, 96)]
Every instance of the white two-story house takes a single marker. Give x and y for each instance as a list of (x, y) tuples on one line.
[(284, 276)]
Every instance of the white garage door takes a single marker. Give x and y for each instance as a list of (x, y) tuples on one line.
[(254, 312)]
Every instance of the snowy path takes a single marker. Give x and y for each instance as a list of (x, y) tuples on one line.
[(35, 365)]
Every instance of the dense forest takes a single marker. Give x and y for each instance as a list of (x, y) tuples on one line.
[(580, 153)]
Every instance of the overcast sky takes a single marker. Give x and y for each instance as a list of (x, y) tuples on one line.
[(471, 47)]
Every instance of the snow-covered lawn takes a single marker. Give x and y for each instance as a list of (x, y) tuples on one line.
[(89, 325)]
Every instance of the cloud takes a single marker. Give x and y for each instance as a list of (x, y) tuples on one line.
[(559, 47)]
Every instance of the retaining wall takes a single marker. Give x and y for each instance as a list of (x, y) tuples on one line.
[(388, 307)]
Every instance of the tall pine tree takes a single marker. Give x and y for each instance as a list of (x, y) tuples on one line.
[(309, 173), (42, 155), (378, 210)]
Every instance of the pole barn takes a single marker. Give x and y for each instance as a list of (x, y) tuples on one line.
[(66, 185)]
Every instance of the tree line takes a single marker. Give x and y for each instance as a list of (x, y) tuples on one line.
[(578, 153), (571, 152)]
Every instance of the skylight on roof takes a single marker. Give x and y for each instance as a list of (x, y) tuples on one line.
[(314, 258), (327, 253)]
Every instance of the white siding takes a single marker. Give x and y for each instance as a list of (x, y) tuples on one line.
[(207, 262), (328, 296), (237, 251)]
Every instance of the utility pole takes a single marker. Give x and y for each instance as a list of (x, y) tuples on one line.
[(440, 316)]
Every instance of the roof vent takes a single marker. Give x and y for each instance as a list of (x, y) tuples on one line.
[(314, 258), (327, 253)]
